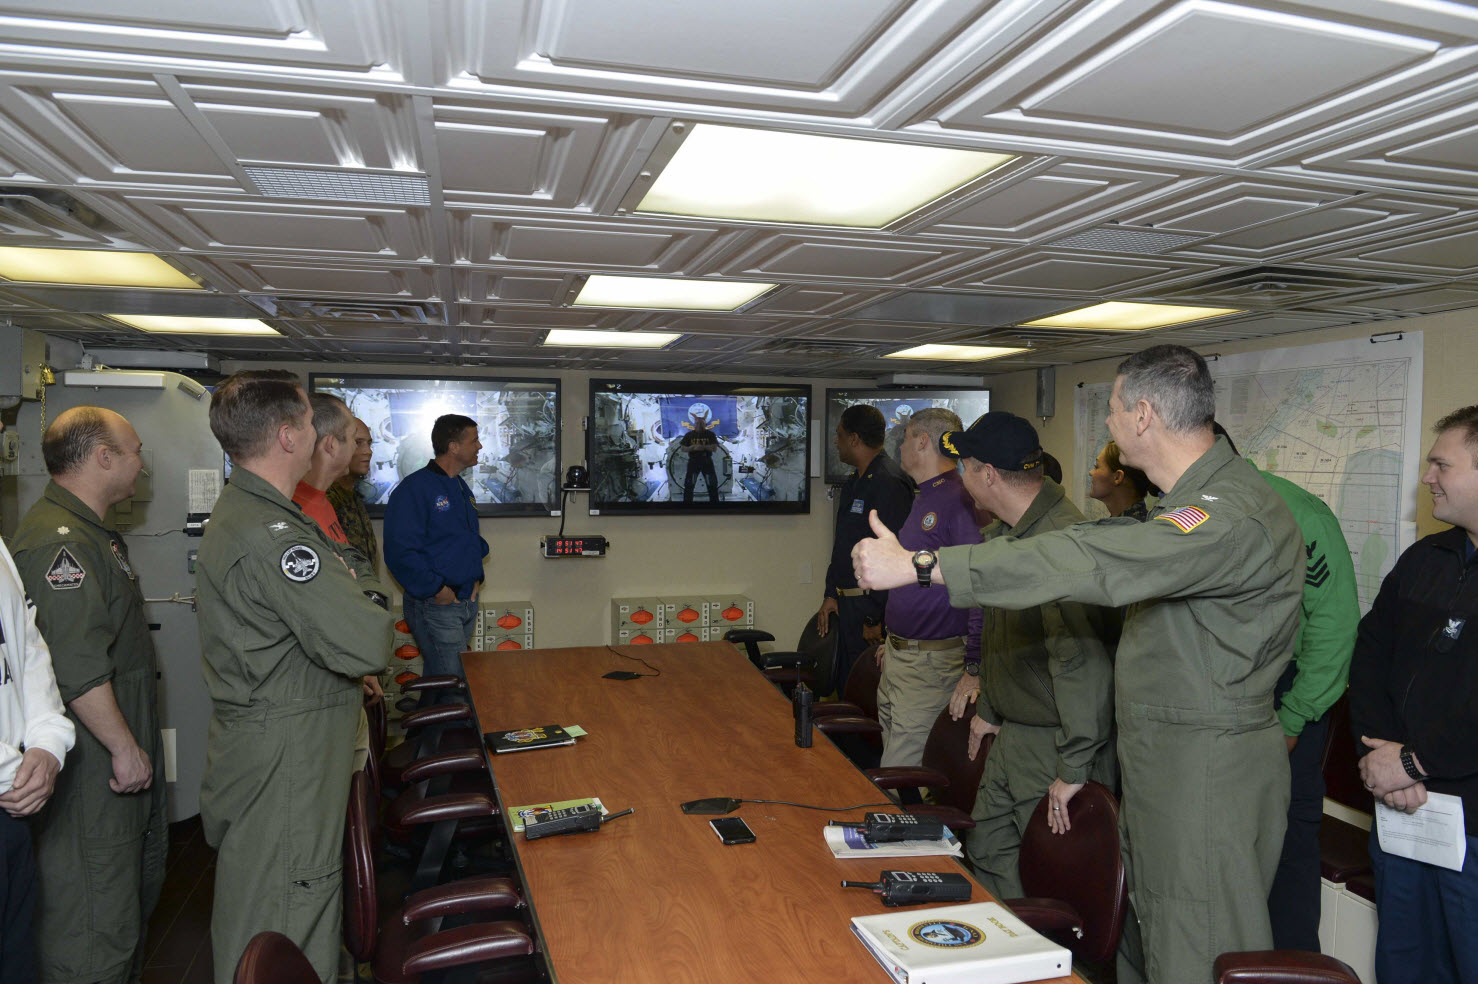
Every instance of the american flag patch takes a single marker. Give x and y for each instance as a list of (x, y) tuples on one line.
[(1186, 518)]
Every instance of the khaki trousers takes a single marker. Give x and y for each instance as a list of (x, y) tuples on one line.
[(916, 685)]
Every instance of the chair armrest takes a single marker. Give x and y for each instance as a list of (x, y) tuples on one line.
[(905, 777), (449, 681), (1281, 967), (464, 945), (832, 707), (411, 811), (847, 724), (461, 897), (436, 714), (465, 760), (1046, 915), (742, 636), (786, 661)]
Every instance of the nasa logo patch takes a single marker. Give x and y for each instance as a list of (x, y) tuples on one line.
[(299, 563), (929, 520), (442, 503), (65, 574)]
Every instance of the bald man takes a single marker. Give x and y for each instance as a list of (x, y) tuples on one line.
[(101, 844)]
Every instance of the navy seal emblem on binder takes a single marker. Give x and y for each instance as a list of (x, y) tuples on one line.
[(947, 933), (300, 563)]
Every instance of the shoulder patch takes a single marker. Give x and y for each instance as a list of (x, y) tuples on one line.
[(1186, 518), (299, 563), (65, 574), (121, 554), (929, 520)]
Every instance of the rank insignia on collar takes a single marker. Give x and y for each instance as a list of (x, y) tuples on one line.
[(279, 528), (63, 530), (65, 574)]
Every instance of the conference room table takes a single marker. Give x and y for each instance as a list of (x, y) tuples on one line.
[(656, 896)]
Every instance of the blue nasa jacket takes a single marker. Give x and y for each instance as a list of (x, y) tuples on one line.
[(431, 535)]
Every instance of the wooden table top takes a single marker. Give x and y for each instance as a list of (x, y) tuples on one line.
[(655, 896)]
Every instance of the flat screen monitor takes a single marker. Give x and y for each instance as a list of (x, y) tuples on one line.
[(897, 406), (698, 447), (517, 471)]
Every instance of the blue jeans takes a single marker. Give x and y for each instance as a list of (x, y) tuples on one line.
[(442, 632), (1428, 919)]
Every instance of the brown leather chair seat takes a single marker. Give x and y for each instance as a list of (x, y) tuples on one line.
[(1281, 967)]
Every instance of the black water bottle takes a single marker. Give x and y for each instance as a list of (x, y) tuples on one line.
[(803, 699)]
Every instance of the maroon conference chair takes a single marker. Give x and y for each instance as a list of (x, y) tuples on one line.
[(1078, 889), (1344, 849), (947, 771), (1281, 967), (411, 941), (271, 958)]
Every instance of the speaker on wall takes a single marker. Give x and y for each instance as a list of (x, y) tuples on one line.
[(1046, 391)]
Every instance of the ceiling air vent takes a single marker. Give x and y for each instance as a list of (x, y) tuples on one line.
[(1123, 239), (337, 185), (1273, 286), (834, 347), (349, 309)]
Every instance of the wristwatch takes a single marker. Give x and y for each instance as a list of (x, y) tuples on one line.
[(923, 565), (1408, 762), (972, 669)]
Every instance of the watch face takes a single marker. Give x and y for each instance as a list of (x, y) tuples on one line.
[(923, 558)]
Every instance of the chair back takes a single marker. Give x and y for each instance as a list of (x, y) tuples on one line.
[(375, 713), (271, 958), (361, 904), (822, 649), (946, 752), (1342, 761), (861, 687), (1082, 867)]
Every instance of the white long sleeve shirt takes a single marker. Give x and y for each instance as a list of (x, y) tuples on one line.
[(31, 710)]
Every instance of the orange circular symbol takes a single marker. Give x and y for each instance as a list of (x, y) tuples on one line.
[(732, 614), (687, 637), (509, 621), (642, 640), (407, 652), (406, 677), (641, 616), (509, 644), (687, 615), (403, 627)]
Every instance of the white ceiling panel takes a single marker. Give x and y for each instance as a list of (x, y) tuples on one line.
[(388, 234)]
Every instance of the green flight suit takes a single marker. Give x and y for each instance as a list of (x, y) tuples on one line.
[(1047, 678), (100, 855), (1212, 580), (286, 633)]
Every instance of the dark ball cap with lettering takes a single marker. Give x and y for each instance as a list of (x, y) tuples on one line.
[(998, 438)]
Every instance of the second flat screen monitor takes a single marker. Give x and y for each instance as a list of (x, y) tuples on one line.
[(897, 407), (698, 447)]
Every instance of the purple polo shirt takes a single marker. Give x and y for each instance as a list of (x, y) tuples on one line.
[(943, 515)]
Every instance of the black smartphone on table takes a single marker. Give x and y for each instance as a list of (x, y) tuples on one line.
[(732, 830)]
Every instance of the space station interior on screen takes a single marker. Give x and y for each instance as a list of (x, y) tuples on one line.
[(660, 447), (897, 410), (516, 425)]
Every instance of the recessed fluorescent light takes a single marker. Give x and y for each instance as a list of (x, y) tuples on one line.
[(954, 353), (590, 338), (195, 326), (602, 290), (92, 267), (1122, 316), (732, 172)]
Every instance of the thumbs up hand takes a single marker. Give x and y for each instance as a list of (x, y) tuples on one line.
[(882, 562)]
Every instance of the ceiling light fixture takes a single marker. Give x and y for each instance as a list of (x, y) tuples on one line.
[(1125, 316), (195, 326), (730, 172), (90, 267), (594, 338), (667, 293), (954, 353)]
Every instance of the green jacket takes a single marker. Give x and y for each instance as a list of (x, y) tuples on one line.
[(1212, 580), (1330, 610), (1048, 665)]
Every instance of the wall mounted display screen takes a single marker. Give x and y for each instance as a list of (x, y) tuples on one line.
[(897, 406), (700, 447), (517, 471)]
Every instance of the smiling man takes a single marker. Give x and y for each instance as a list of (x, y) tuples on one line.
[(1413, 694)]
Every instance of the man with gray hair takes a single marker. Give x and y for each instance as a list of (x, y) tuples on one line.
[(1212, 581), (932, 650), (101, 845)]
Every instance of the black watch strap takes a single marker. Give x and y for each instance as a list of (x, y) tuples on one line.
[(1408, 762)]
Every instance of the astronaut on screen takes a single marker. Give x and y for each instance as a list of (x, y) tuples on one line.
[(699, 443)]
